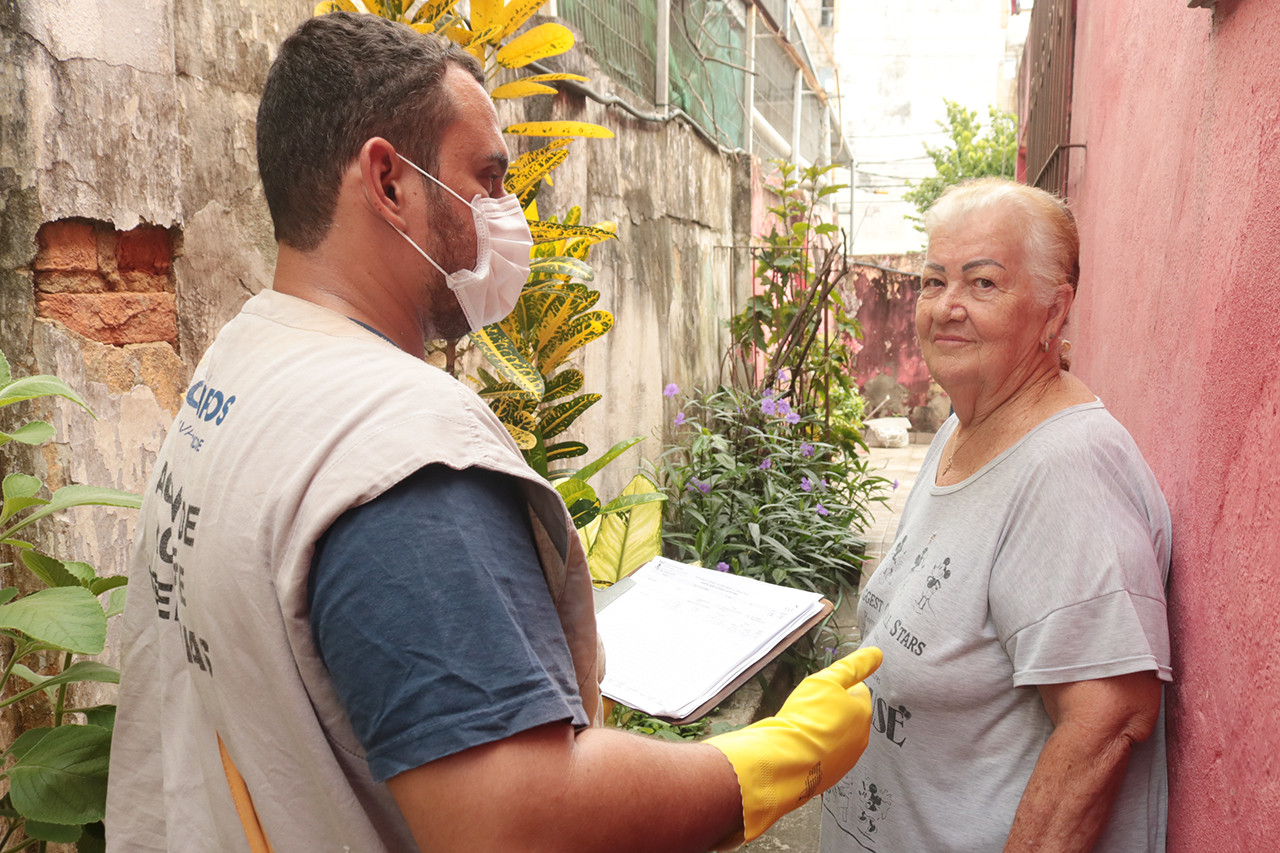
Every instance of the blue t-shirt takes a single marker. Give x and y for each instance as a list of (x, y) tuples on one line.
[(430, 610)]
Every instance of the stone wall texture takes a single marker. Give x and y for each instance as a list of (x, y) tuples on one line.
[(1176, 328)]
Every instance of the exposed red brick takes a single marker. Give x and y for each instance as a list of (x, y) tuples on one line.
[(114, 318), (146, 248), (137, 281), (59, 281), (66, 245)]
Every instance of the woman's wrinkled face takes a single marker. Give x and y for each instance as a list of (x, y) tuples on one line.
[(976, 313)]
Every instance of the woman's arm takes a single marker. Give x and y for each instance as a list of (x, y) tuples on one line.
[(1068, 798)]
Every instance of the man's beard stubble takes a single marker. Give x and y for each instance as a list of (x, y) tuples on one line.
[(455, 249)]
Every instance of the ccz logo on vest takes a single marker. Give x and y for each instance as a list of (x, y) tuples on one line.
[(211, 406)]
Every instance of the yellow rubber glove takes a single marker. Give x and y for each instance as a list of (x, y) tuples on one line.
[(813, 741)]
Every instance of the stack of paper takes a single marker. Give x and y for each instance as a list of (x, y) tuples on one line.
[(678, 634)]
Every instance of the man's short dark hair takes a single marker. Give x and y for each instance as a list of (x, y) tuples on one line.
[(339, 80)]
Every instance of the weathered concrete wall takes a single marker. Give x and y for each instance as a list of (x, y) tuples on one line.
[(116, 117), (1176, 329)]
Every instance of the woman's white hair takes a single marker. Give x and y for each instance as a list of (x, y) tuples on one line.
[(1050, 241)]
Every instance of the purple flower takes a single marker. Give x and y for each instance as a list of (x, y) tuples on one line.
[(769, 405), (784, 408), (793, 417), (806, 449), (895, 485), (766, 464), (806, 484), (823, 482), (671, 390), (722, 566), (679, 418), (823, 511), (769, 392), (696, 485), (784, 376)]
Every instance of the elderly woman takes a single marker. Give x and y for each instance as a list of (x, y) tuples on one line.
[(1021, 609)]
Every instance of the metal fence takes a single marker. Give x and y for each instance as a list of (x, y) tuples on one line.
[(709, 66), (620, 35), (1050, 52), (709, 60)]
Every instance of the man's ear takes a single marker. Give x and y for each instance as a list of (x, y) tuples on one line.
[(382, 178)]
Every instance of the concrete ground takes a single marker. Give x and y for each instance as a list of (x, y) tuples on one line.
[(798, 831)]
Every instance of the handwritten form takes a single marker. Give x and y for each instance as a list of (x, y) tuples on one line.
[(681, 633)]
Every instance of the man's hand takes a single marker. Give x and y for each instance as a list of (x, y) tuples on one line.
[(813, 741)]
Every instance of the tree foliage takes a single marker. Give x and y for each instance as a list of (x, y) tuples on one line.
[(972, 152)]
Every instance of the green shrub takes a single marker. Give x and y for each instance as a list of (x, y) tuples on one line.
[(751, 491)]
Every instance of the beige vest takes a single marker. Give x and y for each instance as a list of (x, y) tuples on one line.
[(294, 415)]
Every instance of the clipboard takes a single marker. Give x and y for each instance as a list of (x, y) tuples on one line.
[(605, 597)]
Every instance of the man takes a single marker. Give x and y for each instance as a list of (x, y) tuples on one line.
[(359, 621)]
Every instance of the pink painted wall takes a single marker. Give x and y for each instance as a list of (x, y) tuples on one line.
[(1177, 328)]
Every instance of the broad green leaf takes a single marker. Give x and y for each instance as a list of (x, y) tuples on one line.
[(583, 512), (108, 584), (116, 601), (52, 572), (544, 40), (583, 129), (517, 13), (6, 375), (8, 594), (626, 502), (68, 617), (30, 387), (500, 351), (24, 742), (32, 432), (566, 382), (565, 450), (102, 716), (558, 418), (63, 778), (590, 470), (571, 267), (547, 232), (83, 670), (56, 832), (20, 486), (521, 89), (574, 489), (580, 332), (77, 495), (625, 541)]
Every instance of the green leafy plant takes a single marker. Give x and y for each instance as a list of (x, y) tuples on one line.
[(751, 492), (969, 153), (797, 320), (57, 774)]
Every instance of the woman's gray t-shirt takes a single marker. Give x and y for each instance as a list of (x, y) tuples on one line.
[(1047, 566)]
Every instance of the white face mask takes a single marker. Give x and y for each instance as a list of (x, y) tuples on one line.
[(488, 292)]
